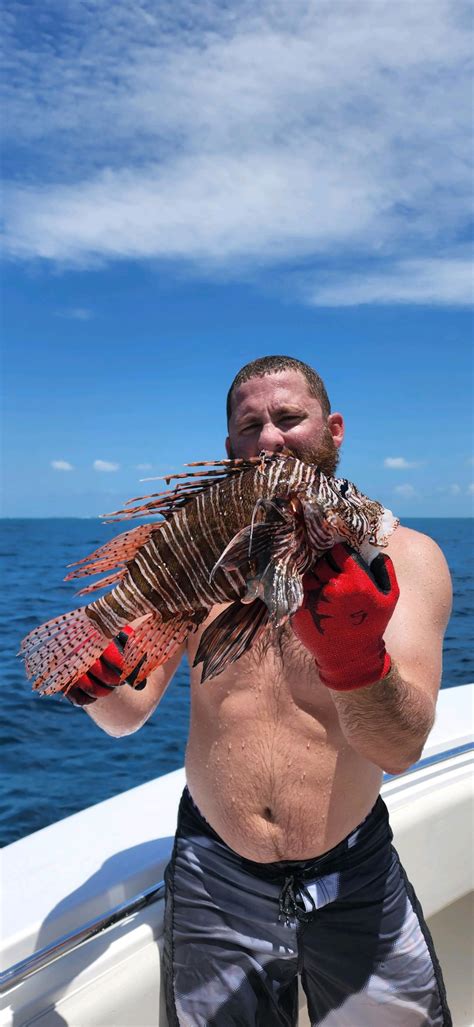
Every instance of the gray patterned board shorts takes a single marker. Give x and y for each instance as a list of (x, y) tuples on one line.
[(238, 934)]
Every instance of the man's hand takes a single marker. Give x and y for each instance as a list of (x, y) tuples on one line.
[(346, 608), (104, 675)]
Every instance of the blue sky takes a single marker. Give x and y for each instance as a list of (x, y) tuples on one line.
[(190, 186)]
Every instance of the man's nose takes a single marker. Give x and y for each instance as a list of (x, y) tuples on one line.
[(271, 439)]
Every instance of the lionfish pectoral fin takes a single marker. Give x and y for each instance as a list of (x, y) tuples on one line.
[(254, 591), (229, 636), (154, 642), (282, 590), (247, 544)]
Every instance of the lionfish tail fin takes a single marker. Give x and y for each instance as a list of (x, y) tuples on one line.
[(154, 642), (230, 635), (60, 651)]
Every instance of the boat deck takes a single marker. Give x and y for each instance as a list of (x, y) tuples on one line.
[(76, 871)]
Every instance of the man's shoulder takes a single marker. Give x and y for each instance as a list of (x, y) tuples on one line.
[(408, 543), (418, 560)]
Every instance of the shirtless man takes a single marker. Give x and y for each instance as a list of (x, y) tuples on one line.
[(282, 863)]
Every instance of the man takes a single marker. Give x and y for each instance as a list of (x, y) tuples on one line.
[(282, 862)]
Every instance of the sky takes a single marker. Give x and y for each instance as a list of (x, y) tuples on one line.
[(188, 186)]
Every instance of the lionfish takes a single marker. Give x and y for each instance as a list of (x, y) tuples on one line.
[(243, 534)]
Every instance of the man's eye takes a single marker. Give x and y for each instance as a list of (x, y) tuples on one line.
[(248, 428)]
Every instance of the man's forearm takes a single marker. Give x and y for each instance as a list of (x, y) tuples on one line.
[(120, 714), (387, 722)]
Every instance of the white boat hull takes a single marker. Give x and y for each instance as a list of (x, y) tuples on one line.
[(81, 867)]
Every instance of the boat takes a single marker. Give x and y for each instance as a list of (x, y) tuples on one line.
[(82, 917)]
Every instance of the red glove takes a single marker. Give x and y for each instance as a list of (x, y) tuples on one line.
[(104, 675), (346, 608)]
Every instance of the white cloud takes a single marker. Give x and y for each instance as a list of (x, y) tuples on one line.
[(436, 281), (61, 465), (235, 137), (105, 465), (470, 489), (75, 313), (144, 467), (407, 491), (399, 463), (452, 489)]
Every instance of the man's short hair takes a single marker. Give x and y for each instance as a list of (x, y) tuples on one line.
[(272, 365)]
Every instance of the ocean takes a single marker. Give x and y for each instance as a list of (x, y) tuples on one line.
[(56, 761)]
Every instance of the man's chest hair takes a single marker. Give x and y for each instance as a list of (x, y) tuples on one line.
[(280, 655)]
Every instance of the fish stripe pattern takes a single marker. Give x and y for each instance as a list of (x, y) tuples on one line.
[(241, 532)]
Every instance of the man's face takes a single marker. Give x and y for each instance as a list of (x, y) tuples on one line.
[(278, 412)]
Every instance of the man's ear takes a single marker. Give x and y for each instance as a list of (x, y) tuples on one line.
[(227, 446), (336, 427)]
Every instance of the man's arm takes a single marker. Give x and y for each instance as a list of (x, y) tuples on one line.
[(383, 684), (388, 722), (125, 710), (121, 709)]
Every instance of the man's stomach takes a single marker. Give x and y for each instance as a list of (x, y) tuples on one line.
[(278, 790)]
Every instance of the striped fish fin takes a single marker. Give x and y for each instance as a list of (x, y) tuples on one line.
[(251, 543), (112, 554), (60, 651), (282, 589), (230, 635), (170, 501), (155, 641), (110, 579)]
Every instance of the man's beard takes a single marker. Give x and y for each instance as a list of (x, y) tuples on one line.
[(325, 455)]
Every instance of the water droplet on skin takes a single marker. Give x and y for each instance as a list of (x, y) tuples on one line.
[(289, 763), (229, 746), (243, 745), (307, 745)]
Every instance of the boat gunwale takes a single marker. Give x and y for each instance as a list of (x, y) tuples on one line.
[(36, 961)]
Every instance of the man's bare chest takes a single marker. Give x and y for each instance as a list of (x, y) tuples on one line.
[(275, 681)]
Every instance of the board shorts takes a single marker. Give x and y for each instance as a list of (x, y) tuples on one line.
[(238, 934)]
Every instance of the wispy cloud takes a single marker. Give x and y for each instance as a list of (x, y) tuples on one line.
[(470, 489), (448, 281), (75, 313), (144, 467), (61, 465), (451, 489), (407, 491), (399, 463), (233, 138), (105, 465)]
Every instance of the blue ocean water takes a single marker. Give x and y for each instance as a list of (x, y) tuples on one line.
[(56, 761)]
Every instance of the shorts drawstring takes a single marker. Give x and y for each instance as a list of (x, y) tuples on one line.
[(291, 901)]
